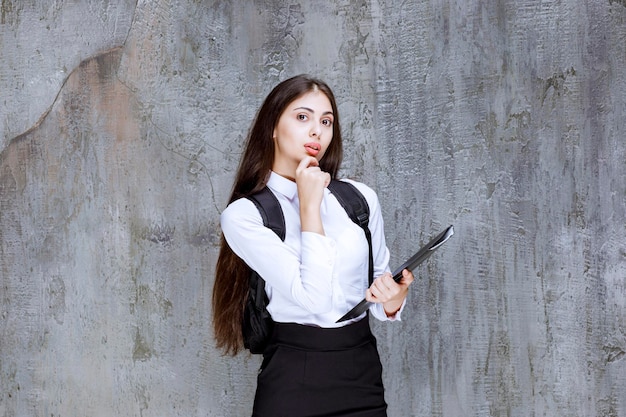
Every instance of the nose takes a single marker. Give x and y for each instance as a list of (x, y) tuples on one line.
[(315, 131)]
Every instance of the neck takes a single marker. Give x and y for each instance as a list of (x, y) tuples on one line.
[(289, 177), (285, 170)]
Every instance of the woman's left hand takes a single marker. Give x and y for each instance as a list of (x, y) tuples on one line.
[(388, 292)]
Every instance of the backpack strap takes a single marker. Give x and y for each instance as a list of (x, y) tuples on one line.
[(271, 213), (355, 204), (273, 218)]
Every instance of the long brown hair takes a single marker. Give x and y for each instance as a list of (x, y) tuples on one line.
[(230, 289)]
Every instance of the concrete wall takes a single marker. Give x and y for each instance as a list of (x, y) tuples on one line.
[(122, 125)]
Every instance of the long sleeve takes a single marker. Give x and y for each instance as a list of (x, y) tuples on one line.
[(304, 275), (379, 247)]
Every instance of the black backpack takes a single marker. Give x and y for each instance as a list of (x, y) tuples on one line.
[(257, 323)]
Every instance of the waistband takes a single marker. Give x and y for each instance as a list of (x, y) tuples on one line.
[(322, 339)]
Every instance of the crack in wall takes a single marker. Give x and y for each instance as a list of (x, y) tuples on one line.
[(7, 6)]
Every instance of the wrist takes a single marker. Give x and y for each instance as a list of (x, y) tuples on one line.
[(311, 221), (392, 307)]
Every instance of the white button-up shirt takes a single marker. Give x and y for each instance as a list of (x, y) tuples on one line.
[(310, 279)]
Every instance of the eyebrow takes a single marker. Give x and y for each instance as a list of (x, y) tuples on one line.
[(311, 110)]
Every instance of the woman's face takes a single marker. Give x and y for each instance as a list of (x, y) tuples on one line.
[(305, 128)]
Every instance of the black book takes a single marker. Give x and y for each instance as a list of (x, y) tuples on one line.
[(412, 263)]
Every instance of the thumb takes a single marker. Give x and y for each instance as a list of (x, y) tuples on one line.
[(407, 277)]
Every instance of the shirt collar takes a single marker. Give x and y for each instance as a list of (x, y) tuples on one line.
[(282, 185)]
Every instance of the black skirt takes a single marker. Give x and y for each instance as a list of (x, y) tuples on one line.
[(313, 372)]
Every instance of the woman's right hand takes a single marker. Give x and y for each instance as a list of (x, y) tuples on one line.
[(311, 182)]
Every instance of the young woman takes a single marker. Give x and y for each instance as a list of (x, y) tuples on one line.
[(312, 366)]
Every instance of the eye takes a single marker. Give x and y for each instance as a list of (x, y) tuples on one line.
[(327, 122), (302, 116)]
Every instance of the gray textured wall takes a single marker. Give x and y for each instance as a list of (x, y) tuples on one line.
[(122, 125)]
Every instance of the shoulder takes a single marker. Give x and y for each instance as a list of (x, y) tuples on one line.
[(369, 194), (240, 211)]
